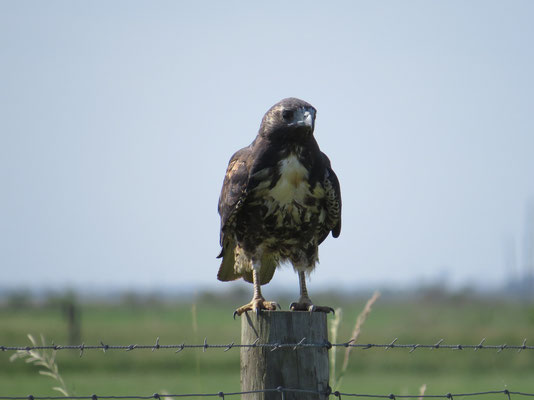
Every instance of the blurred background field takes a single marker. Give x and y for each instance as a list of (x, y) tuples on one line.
[(423, 317)]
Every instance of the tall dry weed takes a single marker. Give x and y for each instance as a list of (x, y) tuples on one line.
[(334, 329), (422, 391), (360, 320), (45, 359)]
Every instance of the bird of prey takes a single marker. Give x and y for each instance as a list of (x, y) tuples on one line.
[(280, 199)]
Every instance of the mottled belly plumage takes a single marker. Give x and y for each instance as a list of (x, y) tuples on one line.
[(289, 231), (283, 217)]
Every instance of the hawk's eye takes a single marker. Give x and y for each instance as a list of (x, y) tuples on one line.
[(287, 115)]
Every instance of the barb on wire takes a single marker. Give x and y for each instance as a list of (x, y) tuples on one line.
[(392, 344), (279, 389), (156, 346), (82, 348), (229, 346)]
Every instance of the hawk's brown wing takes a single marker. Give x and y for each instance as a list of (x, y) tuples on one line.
[(233, 195), (234, 190), (236, 186), (333, 202)]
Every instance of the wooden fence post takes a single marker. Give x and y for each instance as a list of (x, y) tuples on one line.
[(300, 368)]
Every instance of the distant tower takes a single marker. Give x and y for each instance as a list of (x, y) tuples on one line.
[(528, 260)]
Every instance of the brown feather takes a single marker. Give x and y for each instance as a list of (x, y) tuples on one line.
[(226, 270)]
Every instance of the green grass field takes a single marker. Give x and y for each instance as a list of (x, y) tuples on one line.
[(144, 372)]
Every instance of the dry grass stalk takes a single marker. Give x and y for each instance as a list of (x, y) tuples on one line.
[(422, 391), (356, 332), (358, 326), (194, 317), (43, 359), (334, 328)]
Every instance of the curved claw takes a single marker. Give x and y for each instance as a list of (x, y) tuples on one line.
[(311, 308), (325, 309), (257, 305)]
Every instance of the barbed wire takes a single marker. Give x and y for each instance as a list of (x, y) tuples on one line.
[(279, 389), (274, 346)]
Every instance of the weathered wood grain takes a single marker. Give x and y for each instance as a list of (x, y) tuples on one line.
[(303, 368)]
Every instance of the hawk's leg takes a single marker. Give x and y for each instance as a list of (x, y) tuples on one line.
[(258, 302), (305, 303)]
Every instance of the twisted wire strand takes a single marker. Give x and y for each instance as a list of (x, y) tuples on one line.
[(449, 396), (279, 389), (274, 346)]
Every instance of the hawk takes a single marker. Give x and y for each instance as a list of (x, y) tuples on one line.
[(280, 199)]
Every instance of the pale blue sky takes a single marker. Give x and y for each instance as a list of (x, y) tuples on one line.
[(117, 120)]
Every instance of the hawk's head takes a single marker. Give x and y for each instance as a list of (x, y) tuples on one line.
[(290, 119)]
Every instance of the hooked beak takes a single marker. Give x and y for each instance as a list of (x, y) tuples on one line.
[(306, 119)]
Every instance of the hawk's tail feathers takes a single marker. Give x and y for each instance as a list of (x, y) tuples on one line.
[(268, 266), (226, 270)]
